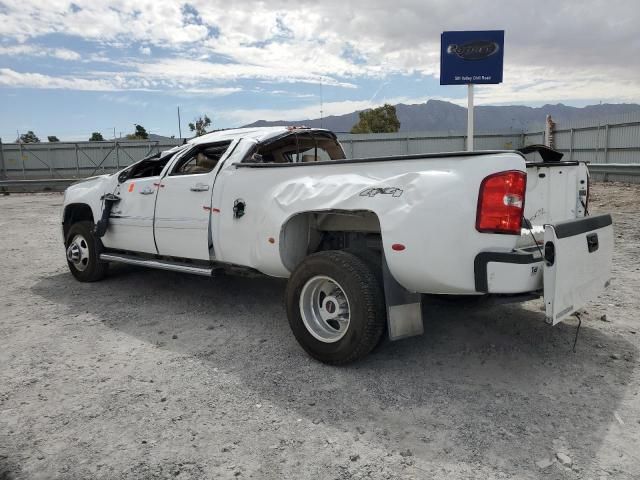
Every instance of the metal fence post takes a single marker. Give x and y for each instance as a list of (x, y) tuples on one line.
[(597, 149), (24, 174), (117, 156), (571, 146), (50, 162), (606, 143), (3, 167), (77, 162)]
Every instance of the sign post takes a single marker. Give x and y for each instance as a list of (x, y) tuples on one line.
[(469, 58), (470, 117)]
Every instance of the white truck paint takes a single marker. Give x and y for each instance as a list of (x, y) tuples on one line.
[(421, 210)]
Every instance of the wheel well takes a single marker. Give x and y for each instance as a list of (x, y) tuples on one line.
[(76, 212), (311, 232)]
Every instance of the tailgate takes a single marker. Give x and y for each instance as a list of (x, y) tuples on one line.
[(578, 255), (555, 192)]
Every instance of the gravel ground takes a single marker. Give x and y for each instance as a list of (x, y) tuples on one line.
[(152, 374)]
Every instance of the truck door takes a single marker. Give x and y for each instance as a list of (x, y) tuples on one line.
[(183, 208), (131, 220)]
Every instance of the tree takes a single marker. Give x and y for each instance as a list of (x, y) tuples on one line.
[(96, 137), (53, 138), (139, 134), (28, 137), (377, 120), (200, 125)]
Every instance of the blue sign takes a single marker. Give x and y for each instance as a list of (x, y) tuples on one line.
[(471, 57)]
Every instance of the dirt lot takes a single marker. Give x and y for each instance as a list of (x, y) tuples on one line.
[(151, 374)]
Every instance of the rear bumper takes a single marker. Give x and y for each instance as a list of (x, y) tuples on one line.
[(508, 272)]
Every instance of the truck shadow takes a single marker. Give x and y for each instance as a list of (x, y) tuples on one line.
[(479, 379)]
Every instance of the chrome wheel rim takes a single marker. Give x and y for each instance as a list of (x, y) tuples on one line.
[(324, 307), (78, 253)]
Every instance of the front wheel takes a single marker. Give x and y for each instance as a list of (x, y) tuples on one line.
[(83, 253), (335, 305)]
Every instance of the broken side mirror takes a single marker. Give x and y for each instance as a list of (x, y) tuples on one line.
[(124, 175)]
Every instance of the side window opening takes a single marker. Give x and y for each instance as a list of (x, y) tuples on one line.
[(201, 160), (148, 167), (298, 148)]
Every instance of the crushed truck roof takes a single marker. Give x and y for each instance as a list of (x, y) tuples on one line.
[(259, 134)]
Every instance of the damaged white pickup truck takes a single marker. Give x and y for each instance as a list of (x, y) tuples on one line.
[(360, 240)]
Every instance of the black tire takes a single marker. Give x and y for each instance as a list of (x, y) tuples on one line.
[(374, 260), (371, 258), (92, 269), (367, 312)]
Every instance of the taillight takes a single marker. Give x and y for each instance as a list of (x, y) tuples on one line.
[(501, 203)]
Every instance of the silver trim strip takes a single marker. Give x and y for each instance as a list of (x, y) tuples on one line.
[(174, 267)]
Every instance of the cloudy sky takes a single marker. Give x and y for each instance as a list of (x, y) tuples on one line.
[(70, 68)]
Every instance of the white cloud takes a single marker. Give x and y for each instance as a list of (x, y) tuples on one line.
[(111, 82), (191, 72), (38, 51), (554, 51), (11, 78), (210, 91), (549, 85)]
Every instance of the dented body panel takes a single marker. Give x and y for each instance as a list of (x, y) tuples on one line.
[(427, 204)]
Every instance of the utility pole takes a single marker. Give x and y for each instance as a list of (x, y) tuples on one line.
[(179, 126)]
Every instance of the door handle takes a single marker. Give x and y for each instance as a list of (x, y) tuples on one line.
[(592, 242), (147, 191), (199, 187)]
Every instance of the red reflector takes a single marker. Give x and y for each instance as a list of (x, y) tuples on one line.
[(501, 203), (398, 247)]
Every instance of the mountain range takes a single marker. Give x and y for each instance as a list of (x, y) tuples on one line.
[(441, 116)]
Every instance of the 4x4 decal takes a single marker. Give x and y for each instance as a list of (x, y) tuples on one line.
[(372, 192)]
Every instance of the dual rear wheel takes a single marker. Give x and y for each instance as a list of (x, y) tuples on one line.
[(335, 305)]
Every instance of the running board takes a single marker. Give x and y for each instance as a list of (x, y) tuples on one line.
[(160, 264)]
